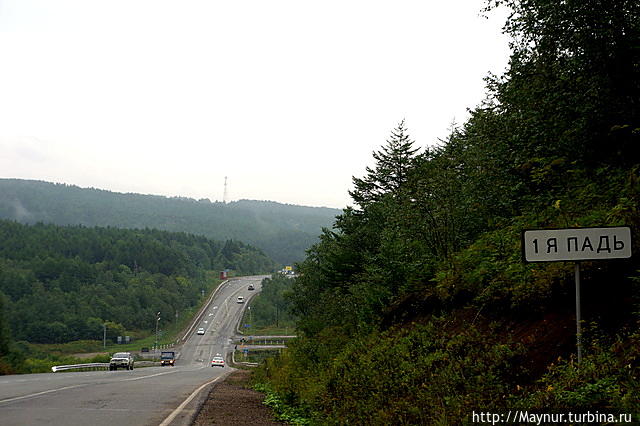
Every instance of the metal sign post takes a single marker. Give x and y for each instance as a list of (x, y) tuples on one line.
[(575, 245), (578, 313)]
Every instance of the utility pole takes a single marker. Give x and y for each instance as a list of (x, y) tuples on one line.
[(104, 335), (157, 322)]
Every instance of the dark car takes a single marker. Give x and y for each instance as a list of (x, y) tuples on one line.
[(167, 358), (121, 360)]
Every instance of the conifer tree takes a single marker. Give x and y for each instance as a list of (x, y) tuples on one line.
[(391, 171)]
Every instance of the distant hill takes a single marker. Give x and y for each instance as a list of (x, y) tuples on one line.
[(282, 231)]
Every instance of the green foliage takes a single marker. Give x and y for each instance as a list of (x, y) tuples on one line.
[(393, 164), (283, 412), (423, 375), (64, 283), (555, 144), (490, 275), (606, 380), (438, 377), (271, 307), (356, 270), (26, 358)]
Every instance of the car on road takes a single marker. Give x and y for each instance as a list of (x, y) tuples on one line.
[(121, 360), (217, 361), (201, 330), (240, 299), (251, 287)]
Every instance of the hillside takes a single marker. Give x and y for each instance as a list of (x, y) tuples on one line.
[(282, 231), (417, 307), (59, 284)]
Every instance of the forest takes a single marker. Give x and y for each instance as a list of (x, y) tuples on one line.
[(61, 284), (417, 308), (282, 231), (271, 308)]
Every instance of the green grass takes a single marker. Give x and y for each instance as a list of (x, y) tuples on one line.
[(257, 355), (269, 331)]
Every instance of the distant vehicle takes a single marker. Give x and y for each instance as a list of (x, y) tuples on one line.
[(251, 287), (201, 330), (121, 359), (217, 361), (167, 358), (240, 299)]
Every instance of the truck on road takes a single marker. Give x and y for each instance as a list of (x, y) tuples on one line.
[(167, 358)]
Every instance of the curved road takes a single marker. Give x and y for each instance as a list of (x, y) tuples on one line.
[(143, 396)]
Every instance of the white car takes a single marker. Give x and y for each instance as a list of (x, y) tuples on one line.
[(240, 299), (201, 330), (217, 361), (121, 359)]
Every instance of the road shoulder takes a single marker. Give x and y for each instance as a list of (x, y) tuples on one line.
[(233, 402)]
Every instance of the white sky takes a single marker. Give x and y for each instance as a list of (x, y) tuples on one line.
[(288, 98)]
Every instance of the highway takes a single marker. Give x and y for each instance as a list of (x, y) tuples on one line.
[(143, 396)]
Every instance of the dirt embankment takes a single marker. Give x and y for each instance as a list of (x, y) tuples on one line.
[(233, 402)]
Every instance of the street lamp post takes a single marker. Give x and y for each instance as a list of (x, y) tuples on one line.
[(157, 322)]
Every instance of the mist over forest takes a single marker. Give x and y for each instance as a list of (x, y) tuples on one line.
[(282, 231)]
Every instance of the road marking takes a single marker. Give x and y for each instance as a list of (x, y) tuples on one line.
[(77, 386), (177, 411), (146, 377), (40, 393), (204, 310)]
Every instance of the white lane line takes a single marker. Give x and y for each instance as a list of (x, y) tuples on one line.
[(146, 377), (77, 386), (40, 393), (205, 307), (177, 411)]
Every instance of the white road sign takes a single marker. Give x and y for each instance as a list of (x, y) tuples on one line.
[(575, 244)]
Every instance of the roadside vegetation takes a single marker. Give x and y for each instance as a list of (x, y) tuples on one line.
[(269, 312), (65, 284), (416, 307)]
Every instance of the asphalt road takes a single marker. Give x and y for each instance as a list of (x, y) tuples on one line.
[(143, 396)]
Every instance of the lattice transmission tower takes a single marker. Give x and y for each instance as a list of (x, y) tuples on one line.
[(225, 196)]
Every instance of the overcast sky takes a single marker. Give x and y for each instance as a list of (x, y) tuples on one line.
[(286, 98)]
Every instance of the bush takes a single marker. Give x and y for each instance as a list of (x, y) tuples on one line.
[(606, 380)]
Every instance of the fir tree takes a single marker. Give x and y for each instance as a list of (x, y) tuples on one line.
[(391, 171)]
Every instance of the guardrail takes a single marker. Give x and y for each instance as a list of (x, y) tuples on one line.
[(248, 364), (97, 366)]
